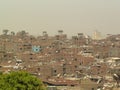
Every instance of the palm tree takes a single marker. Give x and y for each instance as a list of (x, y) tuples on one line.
[(44, 33), (23, 33), (60, 32), (5, 31), (12, 33)]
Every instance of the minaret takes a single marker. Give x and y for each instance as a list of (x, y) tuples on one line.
[(97, 35)]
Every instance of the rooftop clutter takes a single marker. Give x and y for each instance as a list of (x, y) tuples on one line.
[(58, 60)]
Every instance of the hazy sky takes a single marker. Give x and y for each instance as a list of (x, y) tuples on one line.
[(72, 16)]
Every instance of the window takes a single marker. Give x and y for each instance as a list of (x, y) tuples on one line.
[(31, 58), (75, 66), (75, 59), (5, 55), (55, 71), (20, 48), (38, 69)]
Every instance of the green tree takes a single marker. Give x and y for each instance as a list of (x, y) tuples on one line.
[(20, 81)]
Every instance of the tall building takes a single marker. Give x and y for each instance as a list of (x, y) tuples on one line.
[(97, 35)]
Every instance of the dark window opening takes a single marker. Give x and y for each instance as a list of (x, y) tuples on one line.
[(31, 54), (31, 58), (5, 55), (55, 71), (75, 66), (20, 48), (38, 69), (75, 59)]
